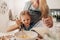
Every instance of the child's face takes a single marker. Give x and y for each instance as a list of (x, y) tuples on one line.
[(26, 20)]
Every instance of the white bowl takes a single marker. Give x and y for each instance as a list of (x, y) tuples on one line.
[(29, 35)]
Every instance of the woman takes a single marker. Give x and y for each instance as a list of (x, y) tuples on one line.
[(39, 9)]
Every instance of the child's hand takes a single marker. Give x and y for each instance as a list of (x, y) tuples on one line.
[(18, 22)]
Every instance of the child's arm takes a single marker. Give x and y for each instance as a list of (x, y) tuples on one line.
[(13, 27)]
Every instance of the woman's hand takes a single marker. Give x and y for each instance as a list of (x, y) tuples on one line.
[(48, 21)]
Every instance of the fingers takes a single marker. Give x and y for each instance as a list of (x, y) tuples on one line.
[(48, 21), (18, 21)]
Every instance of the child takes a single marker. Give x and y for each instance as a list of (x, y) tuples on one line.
[(25, 20)]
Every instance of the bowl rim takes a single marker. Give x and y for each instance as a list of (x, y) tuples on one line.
[(36, 35)]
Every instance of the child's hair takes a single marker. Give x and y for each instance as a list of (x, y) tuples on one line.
[(24, 12)]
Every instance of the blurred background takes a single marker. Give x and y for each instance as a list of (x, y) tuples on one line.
[(10, 9)]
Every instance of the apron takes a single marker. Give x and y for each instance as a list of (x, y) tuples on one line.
[(35, 15)]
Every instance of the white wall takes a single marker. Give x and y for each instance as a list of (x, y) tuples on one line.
[(19, 6), (54, 4), (16, 6), (3, 16)]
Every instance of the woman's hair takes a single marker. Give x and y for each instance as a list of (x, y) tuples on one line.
[(25, 12), (44, 8)]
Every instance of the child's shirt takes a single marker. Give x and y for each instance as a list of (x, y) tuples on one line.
[(27, 29)]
